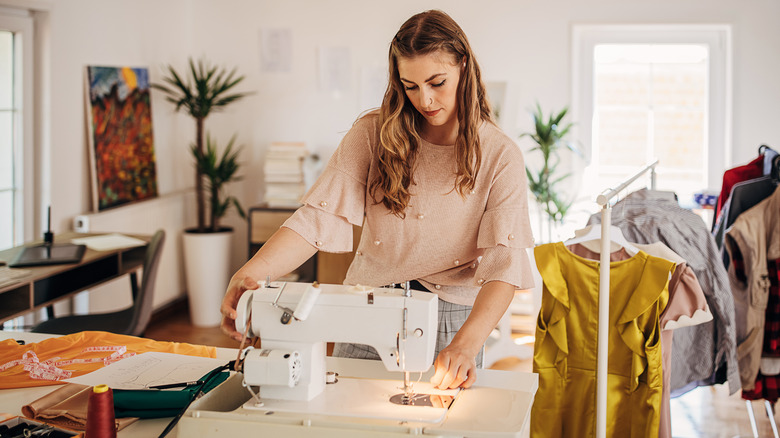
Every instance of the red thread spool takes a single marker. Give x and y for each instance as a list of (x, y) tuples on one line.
[(100, 413)]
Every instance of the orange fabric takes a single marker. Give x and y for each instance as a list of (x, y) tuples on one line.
[(59, 358)]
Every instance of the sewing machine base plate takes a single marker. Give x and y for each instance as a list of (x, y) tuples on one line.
[(417, 399), (367, 398)]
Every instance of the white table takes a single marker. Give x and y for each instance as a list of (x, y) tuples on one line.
[(498, 397)]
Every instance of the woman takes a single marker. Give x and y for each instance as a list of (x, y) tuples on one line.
[(440, 193)]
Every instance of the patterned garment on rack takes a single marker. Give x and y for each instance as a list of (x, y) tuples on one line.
[(768, 387), (704, 354), (772, 329)]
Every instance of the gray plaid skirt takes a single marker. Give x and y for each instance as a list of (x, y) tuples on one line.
[(451, 319)]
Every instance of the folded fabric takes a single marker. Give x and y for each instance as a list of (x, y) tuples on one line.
[(66, 407)]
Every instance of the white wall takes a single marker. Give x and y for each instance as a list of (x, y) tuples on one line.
[(143, 33), (526, 43)]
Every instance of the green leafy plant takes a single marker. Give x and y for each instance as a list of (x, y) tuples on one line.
[(207, 89), (549, 136), (218, 171)]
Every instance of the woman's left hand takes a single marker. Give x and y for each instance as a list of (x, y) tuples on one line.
[(456, 364), (455, 367)]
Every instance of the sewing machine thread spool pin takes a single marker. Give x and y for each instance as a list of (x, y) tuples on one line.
[(306, 303)]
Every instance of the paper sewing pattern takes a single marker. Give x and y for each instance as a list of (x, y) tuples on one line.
[(150, 369)]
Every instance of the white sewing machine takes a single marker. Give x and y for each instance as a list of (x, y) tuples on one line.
[(295, 320), (286, 376)]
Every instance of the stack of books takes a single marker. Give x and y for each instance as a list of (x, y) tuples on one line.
[(284, 177)]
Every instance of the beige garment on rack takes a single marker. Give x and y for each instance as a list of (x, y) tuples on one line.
[(752, 240)]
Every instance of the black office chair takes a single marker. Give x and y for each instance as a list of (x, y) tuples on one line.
[(131, 321)]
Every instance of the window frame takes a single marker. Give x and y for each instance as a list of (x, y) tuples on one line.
[(20, 22), (716, 36)]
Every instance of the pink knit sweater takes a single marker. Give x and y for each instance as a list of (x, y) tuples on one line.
[(451, 244)]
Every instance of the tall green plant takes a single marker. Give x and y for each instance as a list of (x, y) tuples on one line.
[(549, 136), (218, 171), (207, 89)]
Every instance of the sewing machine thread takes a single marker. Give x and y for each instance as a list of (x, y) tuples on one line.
[(100, 413)]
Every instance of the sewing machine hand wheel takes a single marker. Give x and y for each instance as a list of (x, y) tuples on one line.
[(243, 312)]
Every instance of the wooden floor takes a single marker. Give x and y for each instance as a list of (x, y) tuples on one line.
[(704, 412)]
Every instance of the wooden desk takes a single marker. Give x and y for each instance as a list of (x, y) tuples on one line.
[(46, 285)]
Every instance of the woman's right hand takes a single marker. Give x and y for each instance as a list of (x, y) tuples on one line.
[(238, 285), (284, 252)]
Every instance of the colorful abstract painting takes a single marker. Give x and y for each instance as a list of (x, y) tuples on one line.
[(121, 146)]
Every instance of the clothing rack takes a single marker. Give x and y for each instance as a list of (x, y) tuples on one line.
[(604, 265)]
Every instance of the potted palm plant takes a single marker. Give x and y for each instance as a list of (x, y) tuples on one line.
[(544, 182), (218, 171), (207, 247), (208, 89)]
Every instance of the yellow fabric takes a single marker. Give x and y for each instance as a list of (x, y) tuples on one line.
[(565, 349), (55, 359)]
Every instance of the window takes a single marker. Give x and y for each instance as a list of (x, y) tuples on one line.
[(647, 92), (7, 186), (15, 126)]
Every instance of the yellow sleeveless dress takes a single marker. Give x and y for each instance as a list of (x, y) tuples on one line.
[(565, 349)]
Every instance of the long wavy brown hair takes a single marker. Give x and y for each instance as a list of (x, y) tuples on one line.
[(422, 34)]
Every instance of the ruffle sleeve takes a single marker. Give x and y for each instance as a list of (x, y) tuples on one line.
[(507, 227), (505, 230), (655, 283), (337, 199), (551, 323), (505, 220), (325, 231), (510, 265), (687, 304), (339, 194)]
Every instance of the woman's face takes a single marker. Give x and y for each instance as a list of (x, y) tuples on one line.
[(431, 84)]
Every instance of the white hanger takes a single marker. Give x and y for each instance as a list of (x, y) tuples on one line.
[(590, 237)]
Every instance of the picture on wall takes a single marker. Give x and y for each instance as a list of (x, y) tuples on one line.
[(121, 146)]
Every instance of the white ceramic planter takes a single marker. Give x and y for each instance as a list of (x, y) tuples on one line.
[(207, 269)]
